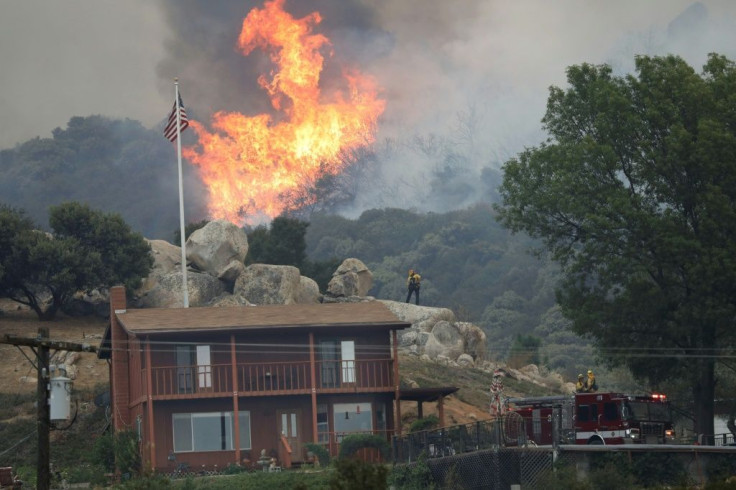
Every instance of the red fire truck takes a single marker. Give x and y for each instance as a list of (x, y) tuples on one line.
[(591, 418)]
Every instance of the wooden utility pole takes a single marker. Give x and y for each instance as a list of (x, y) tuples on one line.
[(41, 346), (43, 412)]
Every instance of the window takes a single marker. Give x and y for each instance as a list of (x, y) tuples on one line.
[(610, 411), (184, 374), (210, 431), (204, 367), (193, 362), (347, 351), (139, 427), (353, 417), (381, 416), (583, 413), (244, 420), (328, 364), (323, 426)]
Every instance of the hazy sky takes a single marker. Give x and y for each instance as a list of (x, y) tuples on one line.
[(433, 58)]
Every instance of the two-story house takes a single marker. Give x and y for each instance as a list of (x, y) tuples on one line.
[(215, 386)]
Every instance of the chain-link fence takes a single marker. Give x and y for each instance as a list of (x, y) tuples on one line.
[(495, 455)]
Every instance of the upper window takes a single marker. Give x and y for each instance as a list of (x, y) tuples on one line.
[(337, 362), (193, 363)]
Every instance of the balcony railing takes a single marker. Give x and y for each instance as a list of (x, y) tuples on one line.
[(268, 378)]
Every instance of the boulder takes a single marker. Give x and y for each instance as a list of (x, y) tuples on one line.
[(308, 291), (214, 247), (264, 284), (352, 278), (227, 299), (465, 360), (474, 339), (423, 318), (166, 257), (165, 290), (445, 340)]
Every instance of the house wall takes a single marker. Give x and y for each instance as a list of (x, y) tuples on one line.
[(264, 426), (119, 367)]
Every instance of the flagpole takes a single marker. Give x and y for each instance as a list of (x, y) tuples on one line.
[(185, 286)]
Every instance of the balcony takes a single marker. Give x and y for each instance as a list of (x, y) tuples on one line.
[(261, 379)]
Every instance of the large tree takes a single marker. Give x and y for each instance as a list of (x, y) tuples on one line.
[(88, 249), (634, 194)]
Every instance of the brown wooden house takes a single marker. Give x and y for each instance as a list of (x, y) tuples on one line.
[(216, 386)]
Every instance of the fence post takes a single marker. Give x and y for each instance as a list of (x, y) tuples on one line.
[(477, 435)]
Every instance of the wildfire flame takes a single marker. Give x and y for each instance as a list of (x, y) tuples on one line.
[(249, 163)]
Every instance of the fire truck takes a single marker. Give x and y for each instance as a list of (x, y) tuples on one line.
[(590, 418)]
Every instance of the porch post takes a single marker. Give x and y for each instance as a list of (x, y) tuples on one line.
[(397, 393), (441, 410), (149, 398), (313, 376), (236, 418)]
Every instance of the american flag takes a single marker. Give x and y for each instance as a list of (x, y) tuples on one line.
[(170, 130)]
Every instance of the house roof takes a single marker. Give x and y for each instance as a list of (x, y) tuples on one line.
[(263, 317), (426, 394)]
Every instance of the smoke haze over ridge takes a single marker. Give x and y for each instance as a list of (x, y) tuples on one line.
[(447, 68)]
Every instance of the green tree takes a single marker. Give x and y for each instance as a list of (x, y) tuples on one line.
[(88, 250), (282, 244), (633, 193)]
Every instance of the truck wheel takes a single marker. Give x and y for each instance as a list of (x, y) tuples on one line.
[(595, 441)]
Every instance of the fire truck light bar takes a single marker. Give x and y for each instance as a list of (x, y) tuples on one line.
[(658, 396)]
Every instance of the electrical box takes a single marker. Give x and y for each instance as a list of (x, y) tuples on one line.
[(60, 398)]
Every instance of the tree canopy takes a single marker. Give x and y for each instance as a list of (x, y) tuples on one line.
[(634, 195), (89, 249)]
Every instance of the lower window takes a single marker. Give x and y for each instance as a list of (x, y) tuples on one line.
[(209, 431)]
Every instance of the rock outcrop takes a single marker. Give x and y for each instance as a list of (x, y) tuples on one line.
[(269, 284), (219, 249), (352, 278), (217, 276), (165, 290)]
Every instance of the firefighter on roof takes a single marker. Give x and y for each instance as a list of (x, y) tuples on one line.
[(580, 385), (590, 385), (412, 286), (497, 393)]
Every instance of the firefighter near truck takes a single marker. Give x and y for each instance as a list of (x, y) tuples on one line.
[(590, 418)]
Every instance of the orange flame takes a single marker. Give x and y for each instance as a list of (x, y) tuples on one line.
[(249, 163)]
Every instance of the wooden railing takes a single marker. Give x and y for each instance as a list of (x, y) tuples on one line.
[(284, 452), (272, 378), (366, 374)]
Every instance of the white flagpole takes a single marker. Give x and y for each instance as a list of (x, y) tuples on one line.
[(185, 286)]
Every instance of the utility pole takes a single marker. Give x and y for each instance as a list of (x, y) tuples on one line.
[(41, 346), (43, 422)]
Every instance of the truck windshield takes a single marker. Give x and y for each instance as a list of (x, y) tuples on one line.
[(647, 412)]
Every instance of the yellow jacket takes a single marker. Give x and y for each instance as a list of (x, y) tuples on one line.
[(417, 280)]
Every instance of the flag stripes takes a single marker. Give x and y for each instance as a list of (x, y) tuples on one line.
[(170, 130)]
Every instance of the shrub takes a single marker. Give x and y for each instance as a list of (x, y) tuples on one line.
[(426, 423), (351, 474), (320, 452), (127, 454), (412, 476), (103, 452), (352, 443)]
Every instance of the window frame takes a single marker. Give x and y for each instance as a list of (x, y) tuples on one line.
[(228, 430)]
